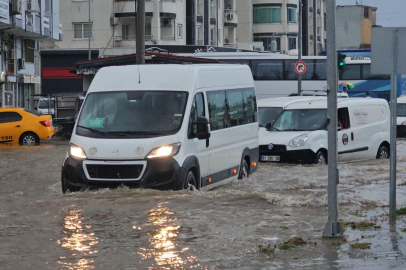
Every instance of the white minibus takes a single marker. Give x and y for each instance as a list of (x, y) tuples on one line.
[(300, 132), (164, 126)]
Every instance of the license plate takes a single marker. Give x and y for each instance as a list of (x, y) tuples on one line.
[(270, 158)]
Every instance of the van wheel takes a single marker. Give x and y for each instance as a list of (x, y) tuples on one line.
[(244, 170), (66, 186), (29, 138), (321, 158), (190, 182), (383, 153)]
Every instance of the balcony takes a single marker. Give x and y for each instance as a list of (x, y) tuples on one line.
[(128, 6), (230, 16), (168, 6)]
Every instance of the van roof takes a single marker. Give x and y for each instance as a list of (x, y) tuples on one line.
[(321, 103), (282, 102), (171, 77)]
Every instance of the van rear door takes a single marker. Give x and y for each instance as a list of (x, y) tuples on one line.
[(345, 143)]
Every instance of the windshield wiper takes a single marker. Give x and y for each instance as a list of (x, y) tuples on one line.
[(94, 130)]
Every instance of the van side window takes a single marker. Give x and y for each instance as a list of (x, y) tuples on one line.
[(7, 117), (250, 103), (196, 111), (219, 117), (236, 108), (344, 118)]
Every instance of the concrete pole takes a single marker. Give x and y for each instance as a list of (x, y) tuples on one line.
[(140, 48), (90, 55), (333, 227), (393, 101), (315, 27), (299, 78)]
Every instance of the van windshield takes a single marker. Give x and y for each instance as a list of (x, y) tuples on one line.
[(401, 109), (301, 120), (268, 115), (132, 114)]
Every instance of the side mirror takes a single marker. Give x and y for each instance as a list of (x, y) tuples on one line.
[(201, 128), (269, 125)]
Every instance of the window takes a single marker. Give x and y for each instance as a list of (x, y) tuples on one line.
[(7, 117), (125, 33), (292, 15), (267, 70), (250, 103), (217, 109), (301, 120), (344, 118), (366, 13), (198, 32), (48, 7), (291, 43), (29, 48), (268, 115), (267, 42), (180, 30), (401, 110), (211, 36), (236, 110), (367, 75), (82, 30), (196, 111), (267, 15), (351, 72)]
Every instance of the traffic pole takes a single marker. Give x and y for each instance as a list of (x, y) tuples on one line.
[(333, 227), (299, 78), (393, 103), (140, 39)]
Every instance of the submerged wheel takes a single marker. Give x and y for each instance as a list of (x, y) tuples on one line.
[(244, 170), (383, 153), (66, 186), (190, 182), (29, 138), (321, 158)]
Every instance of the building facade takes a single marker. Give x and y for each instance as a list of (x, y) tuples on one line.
[(23, 24), (355, 26)]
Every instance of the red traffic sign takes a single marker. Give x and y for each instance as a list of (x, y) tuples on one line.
[(300, 68)]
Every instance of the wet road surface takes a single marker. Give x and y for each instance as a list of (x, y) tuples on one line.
[(221, 229)]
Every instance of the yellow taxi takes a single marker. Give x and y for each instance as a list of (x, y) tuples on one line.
[(24, 127)]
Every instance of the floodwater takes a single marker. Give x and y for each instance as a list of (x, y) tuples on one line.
[(40, 228)]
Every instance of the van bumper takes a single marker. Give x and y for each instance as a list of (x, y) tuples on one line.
[(160, 174), (293, 156)]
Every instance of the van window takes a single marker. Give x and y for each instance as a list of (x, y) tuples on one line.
[(196, 111), (132, 114), (7, 117), (267, 70), (268, 115), (218, 110), (301, 120), (236, 108), (43, 104), (344, 118), (401, 110), (250, 105)]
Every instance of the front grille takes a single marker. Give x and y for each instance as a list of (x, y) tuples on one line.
[(277, 149), (98, 171)]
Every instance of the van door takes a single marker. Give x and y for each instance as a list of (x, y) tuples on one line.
[(199, 147), (345, 143)]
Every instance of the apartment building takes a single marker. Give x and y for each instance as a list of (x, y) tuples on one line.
[(23, 24)]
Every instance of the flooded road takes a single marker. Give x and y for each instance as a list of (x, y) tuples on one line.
[(221, 229)]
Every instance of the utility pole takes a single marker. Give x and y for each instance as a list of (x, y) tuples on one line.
[(299, 78), (315, 27), (140, 35), (333, 227), (89, 31)]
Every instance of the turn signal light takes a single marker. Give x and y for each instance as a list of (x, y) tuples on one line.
[(254, 164), (45, 123), (209, 180), (234, 171)]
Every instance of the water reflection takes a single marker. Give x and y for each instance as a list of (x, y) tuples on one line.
[(80, 243), (163, 247)]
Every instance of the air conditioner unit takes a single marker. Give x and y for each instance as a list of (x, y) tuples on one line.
[(113, 21), (230, 16), (16, 7), (166, 22), (21, 63), (11, 54)]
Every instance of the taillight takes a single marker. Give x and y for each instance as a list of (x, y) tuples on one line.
[(45, 123)]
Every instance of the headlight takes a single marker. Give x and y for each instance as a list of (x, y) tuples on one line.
[(165, 151), (299, 141), (76, 151)]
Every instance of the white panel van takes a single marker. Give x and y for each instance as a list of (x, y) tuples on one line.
[(300, 132), (166, 127)]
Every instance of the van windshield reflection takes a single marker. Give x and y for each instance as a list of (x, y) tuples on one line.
[(301, 120), (132, 114)]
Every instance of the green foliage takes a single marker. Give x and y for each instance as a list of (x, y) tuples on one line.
[(361, 246)]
